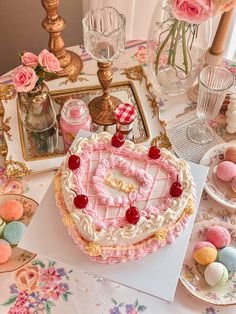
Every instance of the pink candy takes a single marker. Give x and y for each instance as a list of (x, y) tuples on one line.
[(226, 171), (219, 236)]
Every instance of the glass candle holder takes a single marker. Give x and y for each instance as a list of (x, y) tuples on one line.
[(74, 117), (104, 40), (214, 83)]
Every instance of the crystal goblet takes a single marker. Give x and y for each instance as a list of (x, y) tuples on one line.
[(213, 85), (104, 40)]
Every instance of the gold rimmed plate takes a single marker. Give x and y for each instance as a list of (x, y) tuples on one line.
[(217, 189), (192, 276), (19, 257)]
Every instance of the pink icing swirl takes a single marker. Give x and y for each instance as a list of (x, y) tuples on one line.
[(114, 159), (127, 169)]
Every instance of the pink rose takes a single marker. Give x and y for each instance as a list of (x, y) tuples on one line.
[(27, 278), (24, 78), (141, 54), (29, 59), (48, 61), (192, 11)]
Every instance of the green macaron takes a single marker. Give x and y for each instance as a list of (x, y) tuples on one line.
[(14, 232)]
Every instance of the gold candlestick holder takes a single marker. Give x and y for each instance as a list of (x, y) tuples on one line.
[(104, 40), (101, 108), (70, 62)]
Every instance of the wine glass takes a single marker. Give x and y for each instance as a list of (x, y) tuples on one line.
[(214, 81), (104, 40)]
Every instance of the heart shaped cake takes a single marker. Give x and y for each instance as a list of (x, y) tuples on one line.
[(122, 203)]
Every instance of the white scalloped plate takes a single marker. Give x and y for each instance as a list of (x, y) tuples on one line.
[(216, 188), (192, 273)]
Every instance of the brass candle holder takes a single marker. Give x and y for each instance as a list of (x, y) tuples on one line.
[(104, 40), (101, 108), (70, 62)]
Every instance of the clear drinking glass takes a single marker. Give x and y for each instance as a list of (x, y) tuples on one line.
[(104, 33), (213, 85)]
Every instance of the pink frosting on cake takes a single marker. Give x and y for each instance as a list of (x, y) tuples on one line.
[(114, 159), (111, 254), (114, 179)]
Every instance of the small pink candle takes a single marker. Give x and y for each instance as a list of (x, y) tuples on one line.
[(74, 117)]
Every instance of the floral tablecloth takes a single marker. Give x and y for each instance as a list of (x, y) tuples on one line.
[(46, 286)]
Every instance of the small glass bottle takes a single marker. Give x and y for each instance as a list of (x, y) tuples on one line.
[(125, 115), (74, 117)]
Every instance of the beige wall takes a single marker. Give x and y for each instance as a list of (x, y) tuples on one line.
[(20, 28)]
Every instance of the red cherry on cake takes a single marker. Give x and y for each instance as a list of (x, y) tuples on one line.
[(132, 215), (73, 162), (154, 152), (117, 140), (81, 201), (176, 189)]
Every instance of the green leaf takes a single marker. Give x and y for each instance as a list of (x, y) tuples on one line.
[(39, 81), (65, 297), (142, 308), (121, 304), (113, 301), (135, 303), (51, 74), (48, 308), (50, 303), (38, 262), (51, 263), (11, 300)]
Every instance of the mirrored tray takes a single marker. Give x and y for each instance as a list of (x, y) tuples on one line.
[(50, 144), (26, 152)]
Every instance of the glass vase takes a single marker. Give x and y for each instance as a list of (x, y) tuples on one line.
[(175, 50), (38, 117)]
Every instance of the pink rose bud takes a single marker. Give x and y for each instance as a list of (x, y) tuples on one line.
[(193, 11), (29, 59), (48, 61), (24, 78)]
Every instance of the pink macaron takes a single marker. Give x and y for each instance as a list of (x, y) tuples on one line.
[(11, 210), (219, 236), (226, 170), (5, 251)]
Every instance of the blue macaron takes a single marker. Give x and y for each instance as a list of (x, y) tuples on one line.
[(227, 256), (13, 232)]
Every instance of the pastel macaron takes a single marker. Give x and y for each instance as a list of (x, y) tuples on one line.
[(219, 236), (216, 274), (11, 210), (5, 251), (226, 171), (2, 226), (14, 232), (204, 253), (230, 154), (227, 256)]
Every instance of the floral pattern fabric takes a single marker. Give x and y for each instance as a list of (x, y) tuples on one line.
[(37, 287), (44, 286)]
